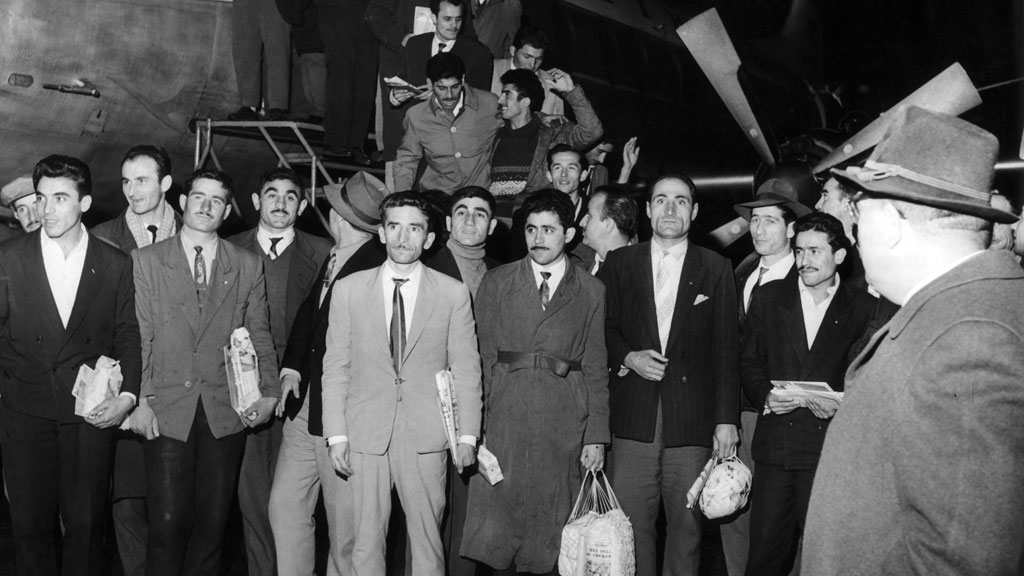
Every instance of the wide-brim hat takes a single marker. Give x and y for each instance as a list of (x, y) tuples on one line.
[(933, 159), (358, 200), (774, 192), (15, 190)]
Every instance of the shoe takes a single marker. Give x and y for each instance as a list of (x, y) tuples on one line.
[(244, 114), (275, 115)]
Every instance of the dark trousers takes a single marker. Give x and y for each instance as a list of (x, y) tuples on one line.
[(455, 521), (352, 53), (56, 470), (254, 483), (190, 486), (131, 521), (778, 509)]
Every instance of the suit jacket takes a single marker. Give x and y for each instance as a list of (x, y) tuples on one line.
[(921, 470), (775, 348), (39, 357), (362, 394), (310, 252), (305, 351), (701, 386), (116, 231), (182, 356)]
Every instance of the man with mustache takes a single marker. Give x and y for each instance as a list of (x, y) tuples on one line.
[(796, 329), (290, 259), (541, 327), (193, 291), (19, 196), (453, 131)]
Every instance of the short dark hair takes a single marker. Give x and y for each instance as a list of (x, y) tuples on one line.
[(530, 35), (154, 153), (788, 216), (473, 192), (674, 176), (550, 200), (445, 65), (435, 6), (560, 148), (281, 173), (408, 198), (825, 223), (620, 208), (58, 166), (210, 174), (527, 85)]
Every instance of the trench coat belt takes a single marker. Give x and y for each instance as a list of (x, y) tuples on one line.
[(536, 360)]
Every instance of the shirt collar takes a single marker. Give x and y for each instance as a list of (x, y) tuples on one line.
[(830, 291), (678, 251), (436, 45), (263, 236), (189, 246), (390, 273), (463, 101), (556, 268), (49, 244), (779, 269)]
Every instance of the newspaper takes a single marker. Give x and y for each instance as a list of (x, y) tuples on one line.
[(94, 386), (243, 371), (396, 82), (803, 389), (449, 406), (423, 21)]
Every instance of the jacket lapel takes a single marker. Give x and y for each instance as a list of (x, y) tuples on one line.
[(222, 283), (93, 272), (425, 298), (567, 288), (378, 316), (793, 320), (35, 273), (646, 276), (180, 280), (690, 281)]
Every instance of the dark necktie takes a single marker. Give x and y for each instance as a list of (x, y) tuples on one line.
[(757, 285), (273, 248), (200, 267), (545, 290), (152, 230), (329, 273), (441, 46), (398, 325)]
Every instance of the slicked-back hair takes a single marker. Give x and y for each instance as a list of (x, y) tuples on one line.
[(154, 153), (281, 173), (527, 85), (408, 198), (445, 65), (531, 36), (435, 6), (826, 224), (550, 200), (58, 166), (210, 174), (674, 176), (620, 208), (473, 192), (560, 148)]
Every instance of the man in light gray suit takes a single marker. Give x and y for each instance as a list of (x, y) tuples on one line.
[(391, 330)]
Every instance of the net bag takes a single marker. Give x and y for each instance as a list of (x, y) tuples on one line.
[(598, 538)]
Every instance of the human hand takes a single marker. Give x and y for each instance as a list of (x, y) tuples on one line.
[(400, 95), (339, 456), (630, 153), (649, 364), (725, 440), (821, 407), (781, 404), (552, 120), (111, 412), (592, 457), (289, 385), (465, 456), (260, 411), (143, 421), (557, 80)]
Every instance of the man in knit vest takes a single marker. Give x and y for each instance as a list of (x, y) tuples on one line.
[(291, 260)]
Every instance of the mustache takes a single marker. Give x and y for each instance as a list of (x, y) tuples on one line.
[(539, 248), (808, 269)]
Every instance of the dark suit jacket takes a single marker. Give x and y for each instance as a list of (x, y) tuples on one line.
[(305, 351), (183, 360), (39, 358), (775, 348), (701, 385), (921, 470), (116, 231), (310, 252)]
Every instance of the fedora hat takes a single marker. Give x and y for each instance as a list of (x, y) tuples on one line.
[(774, 192), (15, 190), (358, 200), (933, 159)]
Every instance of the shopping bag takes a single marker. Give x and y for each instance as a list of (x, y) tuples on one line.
[(722, 487), (598, 538)]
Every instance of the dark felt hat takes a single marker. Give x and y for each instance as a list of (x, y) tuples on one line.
[(933, 159), (358, 200), (774, 192)]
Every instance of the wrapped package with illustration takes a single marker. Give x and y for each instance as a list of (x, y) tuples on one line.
[(243, 371), (95, 385)]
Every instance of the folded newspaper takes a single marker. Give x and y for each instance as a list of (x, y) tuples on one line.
[(803, 389), (399, 83), (95, 385), (448, 404), (243, 371)]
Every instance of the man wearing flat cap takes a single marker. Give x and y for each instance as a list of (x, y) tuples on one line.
[(19, 196), (921, 470), (303, 465)]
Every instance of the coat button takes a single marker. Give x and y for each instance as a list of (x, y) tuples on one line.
[(458, 154), (453, 129), (188, 384), (684, 379)]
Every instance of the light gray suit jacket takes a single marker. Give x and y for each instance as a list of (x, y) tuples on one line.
[(182, 356), (360, 388)]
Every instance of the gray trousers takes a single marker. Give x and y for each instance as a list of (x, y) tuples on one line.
[(736, 533), (254, 483), (260, 48)]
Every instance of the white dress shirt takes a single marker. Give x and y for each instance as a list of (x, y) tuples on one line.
[(814, 312), (435, 45), (263, 237), (64, 273), (557, 270), (674, 266), (776, 271), (209, 254)]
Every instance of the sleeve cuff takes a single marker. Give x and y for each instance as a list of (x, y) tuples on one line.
[(467, 439), (290, 372), (335, 439), (135, 399)]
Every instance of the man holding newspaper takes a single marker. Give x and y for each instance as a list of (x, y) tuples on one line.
[(392, 330)]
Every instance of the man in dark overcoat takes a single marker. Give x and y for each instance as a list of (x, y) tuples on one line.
[(541, 327)]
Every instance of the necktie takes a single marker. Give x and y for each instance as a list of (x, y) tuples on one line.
[(757, 285), (329, 273), (273, 248), (545, 290), (152, 230), (398, 325), (663, 299), (200, 267), (441, 46)]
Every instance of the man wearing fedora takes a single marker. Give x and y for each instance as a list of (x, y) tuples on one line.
[(921, 470), (302, 463), (771, 215), (19, 196), (290, 259)]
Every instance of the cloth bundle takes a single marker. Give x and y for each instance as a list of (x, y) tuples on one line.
[(598, 539)]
